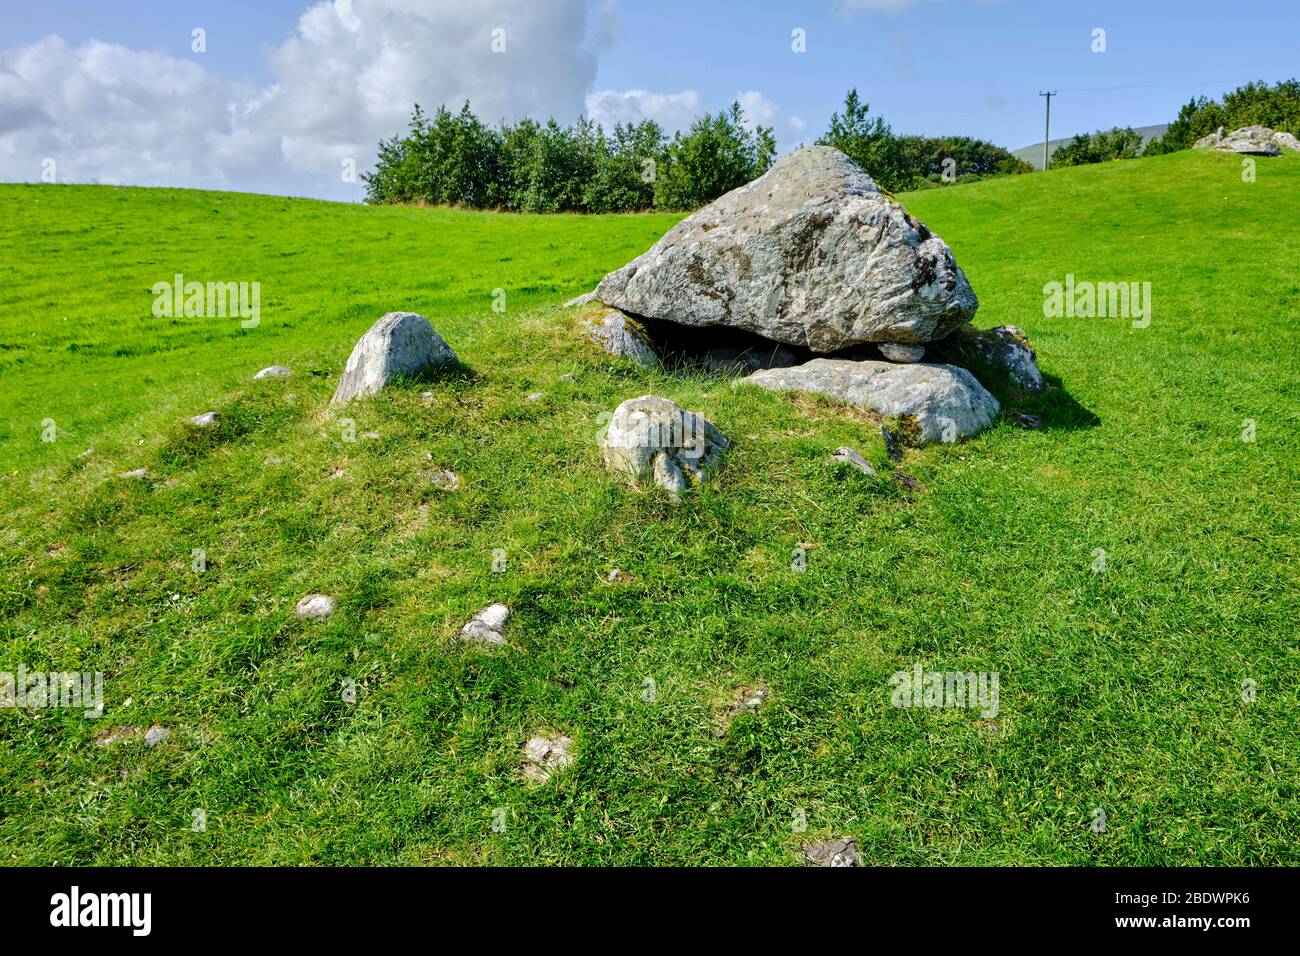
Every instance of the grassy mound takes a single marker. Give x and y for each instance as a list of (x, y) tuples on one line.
[(1120, 691)]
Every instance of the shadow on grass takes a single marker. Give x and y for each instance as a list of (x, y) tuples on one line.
[(455, 374), (1054, 408)]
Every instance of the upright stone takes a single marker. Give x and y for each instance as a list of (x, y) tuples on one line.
[(399, 344)]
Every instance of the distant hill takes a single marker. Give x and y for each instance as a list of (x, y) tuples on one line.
[(1033, 155)]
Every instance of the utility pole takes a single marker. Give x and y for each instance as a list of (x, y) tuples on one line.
[(1047, 124)]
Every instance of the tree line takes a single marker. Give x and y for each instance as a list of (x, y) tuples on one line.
[(457, 159), (454, 158)]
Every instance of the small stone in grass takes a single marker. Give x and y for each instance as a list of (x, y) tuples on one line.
[(745, 698), (274, 371), (908, 482), (443, 478), (755, 700), (115, 735), (156, 735), (1024, 420), (315, 607), (487, 626), (535, 397), (851, 457), (137, 473), (832, 853), (544, 756), (617, 574), (204, 420)]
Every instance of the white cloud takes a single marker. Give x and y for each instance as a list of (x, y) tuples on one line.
[(109, 114), (348, 76), (675, 111), (790, 131), (672, 111)]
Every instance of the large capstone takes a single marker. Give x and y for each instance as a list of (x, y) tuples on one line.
[(653, 438), (401, 344), (811, 253), (943, 401)]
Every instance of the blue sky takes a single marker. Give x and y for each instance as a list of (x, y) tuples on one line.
[(277, 102)]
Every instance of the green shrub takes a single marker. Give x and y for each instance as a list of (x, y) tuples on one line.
[(718, 154), (897, 163), (868, 141), (1099, 147)]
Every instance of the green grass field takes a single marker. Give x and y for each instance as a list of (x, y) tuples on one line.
[(1120, 692)]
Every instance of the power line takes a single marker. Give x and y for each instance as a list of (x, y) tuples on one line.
[(1147, 86)]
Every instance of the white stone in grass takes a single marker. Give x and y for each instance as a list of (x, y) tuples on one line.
[(755, 700), (399, 344), (156, 735), (204, 420), (535, 397), (274, 371), (487, 626), (945, 402), (850, 457), (315, 607), (443, 479), (653, 437), (135, 473), (544, 756)]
